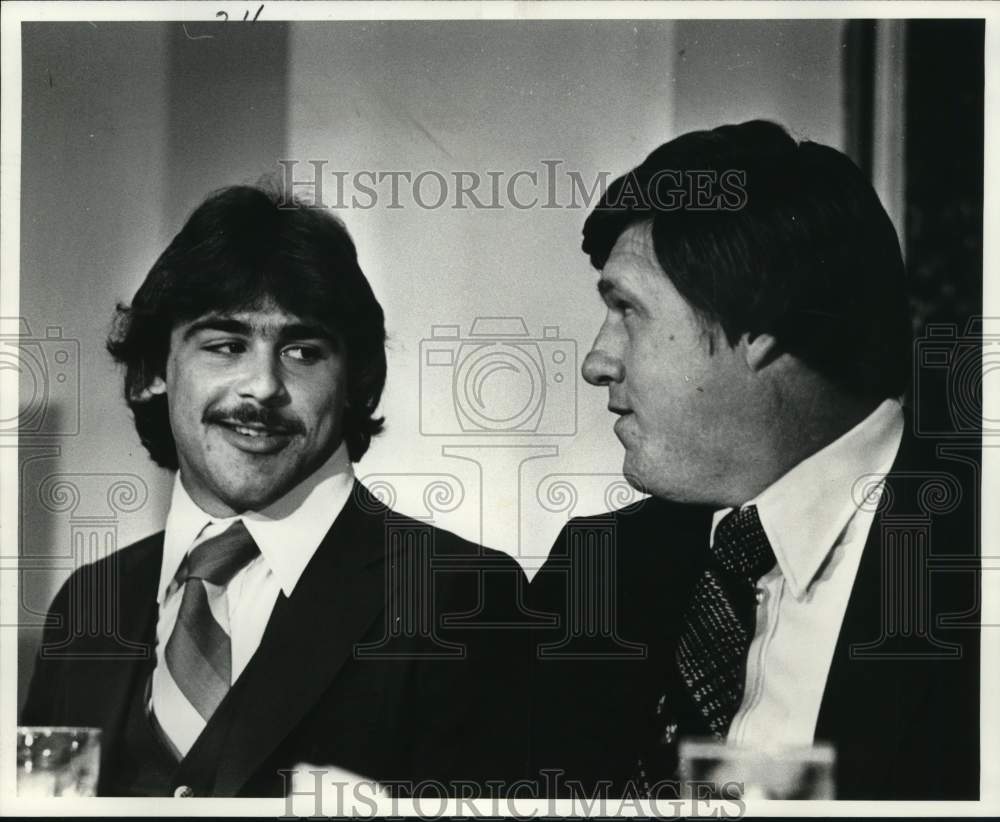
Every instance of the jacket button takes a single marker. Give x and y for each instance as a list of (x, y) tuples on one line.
[(182, 791)]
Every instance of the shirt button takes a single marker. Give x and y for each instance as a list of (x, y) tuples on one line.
[(760, 594), (182, 791)]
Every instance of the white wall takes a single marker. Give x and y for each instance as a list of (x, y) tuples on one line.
[(728, 71)]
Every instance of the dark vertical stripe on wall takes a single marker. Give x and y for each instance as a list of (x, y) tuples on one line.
[(228, 91), (859, 91), (944, 166), (944, 217)]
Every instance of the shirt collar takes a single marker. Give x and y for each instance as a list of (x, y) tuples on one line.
[(288, 531), (805, 512)]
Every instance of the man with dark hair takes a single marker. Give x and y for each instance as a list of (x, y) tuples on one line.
[(284, 615), (776, 590)]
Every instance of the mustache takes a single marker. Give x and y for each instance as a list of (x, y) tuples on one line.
[(254, 415)]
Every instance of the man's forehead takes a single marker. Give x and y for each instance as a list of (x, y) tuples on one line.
[(633, 256)]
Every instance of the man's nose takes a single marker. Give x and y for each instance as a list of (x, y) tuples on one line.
[(601, 368), (263, 380)]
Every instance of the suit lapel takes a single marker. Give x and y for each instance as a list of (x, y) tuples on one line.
[(867, 697), (860, 694), (898, 689), (307, 641)]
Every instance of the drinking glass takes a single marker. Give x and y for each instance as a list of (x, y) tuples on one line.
[(714, 770), (57, 761)]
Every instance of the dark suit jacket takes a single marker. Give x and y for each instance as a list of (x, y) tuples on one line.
[(901, 702), (389, 660)]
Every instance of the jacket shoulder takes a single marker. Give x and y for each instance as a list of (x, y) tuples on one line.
[(648, 511), (126, 562), (445, 544), (648, 520)]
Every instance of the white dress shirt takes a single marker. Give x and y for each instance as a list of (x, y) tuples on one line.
[(817, 524), (288, 532)]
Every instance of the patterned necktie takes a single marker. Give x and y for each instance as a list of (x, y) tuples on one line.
[(198, 652), (711, 655)]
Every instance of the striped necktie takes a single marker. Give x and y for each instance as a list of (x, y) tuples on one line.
[(198, 651), (711, 656)]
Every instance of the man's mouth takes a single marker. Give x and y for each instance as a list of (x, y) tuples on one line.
[(623, 415), (254, 437), (254, 430)]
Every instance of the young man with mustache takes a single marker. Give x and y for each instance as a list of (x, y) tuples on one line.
[(284, 615)]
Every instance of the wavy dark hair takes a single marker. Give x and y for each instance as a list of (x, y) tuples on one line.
[(244, 246), (799, 247)]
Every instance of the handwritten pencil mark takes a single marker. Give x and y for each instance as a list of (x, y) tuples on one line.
[(195, 36)]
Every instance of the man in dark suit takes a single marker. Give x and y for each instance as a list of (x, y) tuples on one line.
[(284, 615), (805, 569)]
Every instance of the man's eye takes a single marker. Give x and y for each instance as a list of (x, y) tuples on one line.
[(622, 307), (303, 353), (225, 347)]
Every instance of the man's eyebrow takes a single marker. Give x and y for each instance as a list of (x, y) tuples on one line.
[(306, 331), (227, 325), (605, 287), (231, 325)]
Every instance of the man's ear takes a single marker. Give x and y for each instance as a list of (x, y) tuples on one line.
[(156, 387), (760, 350)]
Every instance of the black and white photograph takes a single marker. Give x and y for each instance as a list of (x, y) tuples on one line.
[(498, 409)]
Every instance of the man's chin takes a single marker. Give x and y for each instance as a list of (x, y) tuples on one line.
[(253, 498), (646, 481), (634, 475), (634, 480)]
